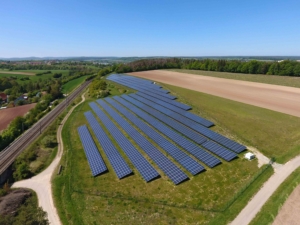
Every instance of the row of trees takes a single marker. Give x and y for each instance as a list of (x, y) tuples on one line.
[(284, 68)]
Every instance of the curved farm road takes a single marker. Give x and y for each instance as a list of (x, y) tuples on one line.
[(41, 183)]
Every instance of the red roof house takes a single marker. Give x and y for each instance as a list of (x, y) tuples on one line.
[(3, 96)]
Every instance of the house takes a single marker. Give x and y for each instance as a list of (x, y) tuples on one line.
[(3, 97), (22, 97)]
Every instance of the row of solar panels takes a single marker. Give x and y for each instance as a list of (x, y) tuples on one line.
[(160, 110), (148, 92), (158, 114), (146, 170)]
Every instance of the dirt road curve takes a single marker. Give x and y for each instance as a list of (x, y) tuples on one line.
[(41, 183), (278, 98), (255, 204)]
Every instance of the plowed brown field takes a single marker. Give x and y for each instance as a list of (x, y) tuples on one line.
[(7, 115), (278, 98)]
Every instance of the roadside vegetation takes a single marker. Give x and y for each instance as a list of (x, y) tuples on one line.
[(272, 207), (20, 207), (207, 196)]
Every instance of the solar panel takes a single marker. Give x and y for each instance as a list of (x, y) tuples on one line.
[(232, 145), (120, 79), (155, 92), (142, 165), (189, 146), (168, 167), (181, 157), (93, 156), (116, 160), (193, 135), (180, 111)]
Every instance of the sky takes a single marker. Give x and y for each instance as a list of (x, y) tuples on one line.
[(124, 28)]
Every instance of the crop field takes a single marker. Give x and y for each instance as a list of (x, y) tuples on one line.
[(205, 198), (7, 115), (72, 84), (32, 77), (260, 78)]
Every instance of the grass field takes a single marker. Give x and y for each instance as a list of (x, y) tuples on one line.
[(72, 84), (107, 200), (272, 133), (272, 207), (267, 79), (33, 78)]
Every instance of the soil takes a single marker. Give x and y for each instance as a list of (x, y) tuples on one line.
[(274, 97), (289, 213), (11, 202), (17, 73), (7, 115)]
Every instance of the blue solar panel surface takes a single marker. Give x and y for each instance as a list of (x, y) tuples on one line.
[(168, 167), (181, 157), (116, 78), (155, 92), (232, 145), (93, 156), (189, 115), (116, 160), (142, 165), (189, 146)]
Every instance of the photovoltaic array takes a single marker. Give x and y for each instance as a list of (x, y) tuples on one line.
[(152, 115), (143, 166), (116, 160), (93, 156)]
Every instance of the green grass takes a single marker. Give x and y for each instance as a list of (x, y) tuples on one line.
[(272, 207), (72, 84), (267, 79), (272, 133), (33, 77), (132, 201)]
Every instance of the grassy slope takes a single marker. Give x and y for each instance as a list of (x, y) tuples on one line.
[(274, 134), (273, 205), (132, 201), (268, 79), (71, 85)]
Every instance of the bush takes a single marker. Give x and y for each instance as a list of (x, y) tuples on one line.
[(49, 142)]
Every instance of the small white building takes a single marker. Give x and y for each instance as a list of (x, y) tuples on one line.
[(249, 156)]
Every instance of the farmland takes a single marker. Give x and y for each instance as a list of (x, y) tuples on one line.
[(71, 85), (18, 74), (288, 81), (7, 115), (131, 201)]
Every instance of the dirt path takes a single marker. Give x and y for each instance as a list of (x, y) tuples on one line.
[(41, 183), (269, 187), (17, 73), (278, 98)]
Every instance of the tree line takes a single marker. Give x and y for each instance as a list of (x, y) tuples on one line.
[(283, 68)]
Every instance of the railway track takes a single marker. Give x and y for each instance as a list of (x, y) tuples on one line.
[(9, 154)]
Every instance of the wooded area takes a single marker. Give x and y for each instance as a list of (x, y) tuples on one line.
[(283, 68)]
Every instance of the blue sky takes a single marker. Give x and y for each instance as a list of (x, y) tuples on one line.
[(149, 28)]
